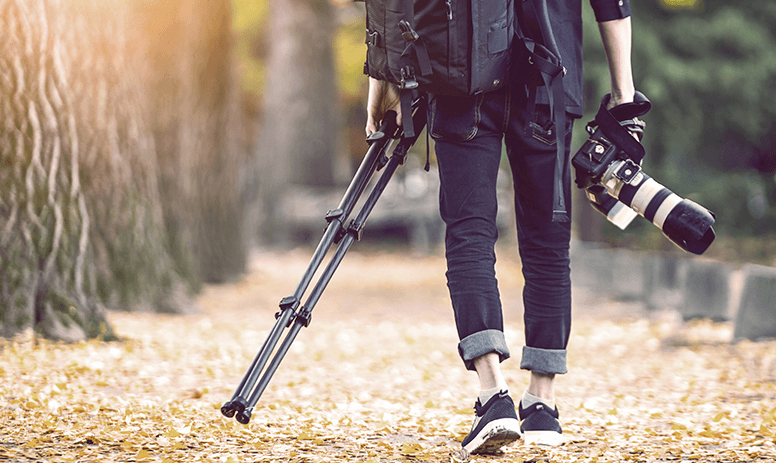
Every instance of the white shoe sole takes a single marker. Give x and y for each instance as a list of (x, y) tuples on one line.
[(547, 438), (494, 436)]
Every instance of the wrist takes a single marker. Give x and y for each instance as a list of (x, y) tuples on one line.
[(621, 96)]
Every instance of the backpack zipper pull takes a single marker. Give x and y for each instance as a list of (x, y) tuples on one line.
[(449, 4)]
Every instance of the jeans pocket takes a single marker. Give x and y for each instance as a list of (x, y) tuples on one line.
[(455, 118), (542, 128)]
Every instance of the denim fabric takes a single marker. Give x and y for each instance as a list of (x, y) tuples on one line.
[(549, 361), (468, 132), (481, 343)]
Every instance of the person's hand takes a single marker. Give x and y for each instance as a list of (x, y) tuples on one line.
[(383, 97), (615, 100)]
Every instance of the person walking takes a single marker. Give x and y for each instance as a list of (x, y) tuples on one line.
[(469, 132)]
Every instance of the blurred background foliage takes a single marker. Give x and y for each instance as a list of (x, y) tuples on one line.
[(176, 131), (709, 68)]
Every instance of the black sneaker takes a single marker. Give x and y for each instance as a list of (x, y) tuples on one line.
[(495, 425), (539, 425)]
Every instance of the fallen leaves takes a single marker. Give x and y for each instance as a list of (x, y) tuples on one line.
[(375, 387)]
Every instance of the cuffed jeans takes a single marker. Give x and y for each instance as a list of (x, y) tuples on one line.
[(468, 132)]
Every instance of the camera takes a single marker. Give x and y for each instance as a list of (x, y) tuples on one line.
[(608, 168)]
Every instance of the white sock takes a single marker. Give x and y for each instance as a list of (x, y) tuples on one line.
[(530, 399), (487, 394)]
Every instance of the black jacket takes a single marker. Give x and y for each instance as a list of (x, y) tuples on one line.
[(566, 20)]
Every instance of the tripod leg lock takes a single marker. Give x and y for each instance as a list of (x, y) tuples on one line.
[(355, 229), (288, 303), (305, 316), (336, 214)]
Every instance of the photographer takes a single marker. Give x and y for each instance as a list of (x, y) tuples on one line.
[(468, 132)]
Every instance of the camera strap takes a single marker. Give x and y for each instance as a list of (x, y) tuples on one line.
[(611, 123)]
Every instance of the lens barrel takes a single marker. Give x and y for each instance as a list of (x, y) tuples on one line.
[(683, 221), (615, 211)]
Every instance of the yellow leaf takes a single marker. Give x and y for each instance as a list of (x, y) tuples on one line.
[(718, 417), (305, 435), (142, 455), (410, 448), (29, 405)]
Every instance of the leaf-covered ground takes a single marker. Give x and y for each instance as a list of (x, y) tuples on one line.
[(376, 378)]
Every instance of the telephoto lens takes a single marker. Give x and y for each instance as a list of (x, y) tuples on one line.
[(683, 221)]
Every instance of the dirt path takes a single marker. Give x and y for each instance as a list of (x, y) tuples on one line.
[(376, 377)]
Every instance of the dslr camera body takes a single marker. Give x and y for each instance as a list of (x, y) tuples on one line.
[(608, 168)]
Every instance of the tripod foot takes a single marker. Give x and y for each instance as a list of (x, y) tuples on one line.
[(233, 407), (244, 416), (228, 410)]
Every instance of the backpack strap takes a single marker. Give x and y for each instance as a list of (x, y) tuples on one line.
[(544, 58), (414, 47)]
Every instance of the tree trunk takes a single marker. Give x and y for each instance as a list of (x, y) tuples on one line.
[(83, 222), (197, 126), (300, 138)]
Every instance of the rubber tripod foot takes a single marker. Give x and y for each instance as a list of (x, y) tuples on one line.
[(228, 410), (244, 417)]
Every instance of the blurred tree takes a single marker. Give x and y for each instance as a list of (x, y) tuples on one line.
[(195, 115), (300, 137), (100, 205)]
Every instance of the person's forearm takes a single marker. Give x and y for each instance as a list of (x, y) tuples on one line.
[(616, 36)]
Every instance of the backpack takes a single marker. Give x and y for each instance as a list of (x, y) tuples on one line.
[(466, 47), (433, 45)]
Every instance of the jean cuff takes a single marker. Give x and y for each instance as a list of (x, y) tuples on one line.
[(481, 343), (547, 361)]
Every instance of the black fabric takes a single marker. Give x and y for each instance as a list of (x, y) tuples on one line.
[(539, 417), (499, 407), (566, 20), (450, 47)]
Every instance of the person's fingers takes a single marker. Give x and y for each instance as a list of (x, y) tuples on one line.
[(371, 127)]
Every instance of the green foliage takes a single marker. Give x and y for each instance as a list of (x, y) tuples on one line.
[(249, 23), (350, 52), (710, 72)]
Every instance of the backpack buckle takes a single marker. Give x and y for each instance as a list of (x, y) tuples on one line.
[(372, 38), (408, 80), (407, 32)]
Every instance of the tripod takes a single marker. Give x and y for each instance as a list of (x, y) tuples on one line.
[(293, 316)]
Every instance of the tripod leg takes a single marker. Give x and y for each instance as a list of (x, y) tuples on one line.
[(338, 216), (238, 402), (303, 318), (379, 143), (244, 416)]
